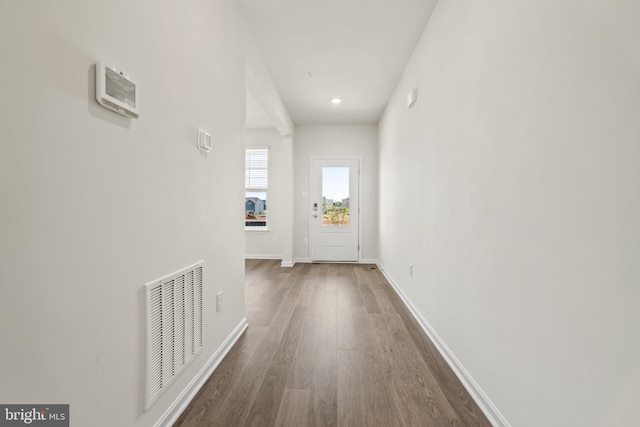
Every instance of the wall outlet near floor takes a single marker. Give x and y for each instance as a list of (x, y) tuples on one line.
[(410, 270), (306, 241), (219, 302)]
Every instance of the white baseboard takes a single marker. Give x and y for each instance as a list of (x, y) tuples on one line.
[(283, 264), (262, 256), (482, 400), (172, 414), (309, 260)]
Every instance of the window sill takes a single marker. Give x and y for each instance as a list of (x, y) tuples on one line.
[(256, 229)]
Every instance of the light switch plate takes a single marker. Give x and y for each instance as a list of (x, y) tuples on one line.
[(205, 141), (412, 97), (219, 302)]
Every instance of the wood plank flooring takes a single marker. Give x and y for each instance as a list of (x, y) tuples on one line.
[(329, 345)]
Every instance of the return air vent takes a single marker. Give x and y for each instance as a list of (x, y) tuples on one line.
[(174, 327)]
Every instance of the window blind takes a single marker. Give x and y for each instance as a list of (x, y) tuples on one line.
[(256, 169)]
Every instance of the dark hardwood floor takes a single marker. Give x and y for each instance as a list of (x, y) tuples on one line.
[(329, 345)]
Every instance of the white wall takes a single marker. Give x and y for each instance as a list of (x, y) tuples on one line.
[(513, 186), (346, 141), (95, 205), (268, 243), (265, 107)]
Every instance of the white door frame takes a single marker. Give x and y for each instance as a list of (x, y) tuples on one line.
[(310, 203)]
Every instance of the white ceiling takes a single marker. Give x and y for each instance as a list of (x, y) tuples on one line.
[(352, 49)]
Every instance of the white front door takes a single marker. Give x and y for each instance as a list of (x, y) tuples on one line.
[(334, 207)]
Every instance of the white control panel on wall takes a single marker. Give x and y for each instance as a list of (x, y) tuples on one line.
[(116, 90), (205, 141)]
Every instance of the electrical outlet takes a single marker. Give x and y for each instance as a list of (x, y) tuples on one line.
[(306, 241), (410, 270), (219, 302)]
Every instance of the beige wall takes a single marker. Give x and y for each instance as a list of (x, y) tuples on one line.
[(516, 176)]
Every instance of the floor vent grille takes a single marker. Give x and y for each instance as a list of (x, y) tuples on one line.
[(174, 327)]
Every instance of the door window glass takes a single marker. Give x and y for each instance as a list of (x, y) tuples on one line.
[(335, 196)]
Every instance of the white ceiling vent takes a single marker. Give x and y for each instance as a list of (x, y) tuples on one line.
[(174, 327)]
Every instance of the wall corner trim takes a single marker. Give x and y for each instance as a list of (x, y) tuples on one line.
[(174, 411), (482, 400)]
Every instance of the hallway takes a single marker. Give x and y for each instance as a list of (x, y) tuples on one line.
[(329, 345)]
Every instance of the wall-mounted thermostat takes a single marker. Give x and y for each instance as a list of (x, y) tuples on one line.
[(116, 90)]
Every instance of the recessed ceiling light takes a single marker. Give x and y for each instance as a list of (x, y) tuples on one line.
[(336, 101)]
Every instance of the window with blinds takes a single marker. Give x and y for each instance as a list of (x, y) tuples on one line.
[(256, 183)]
